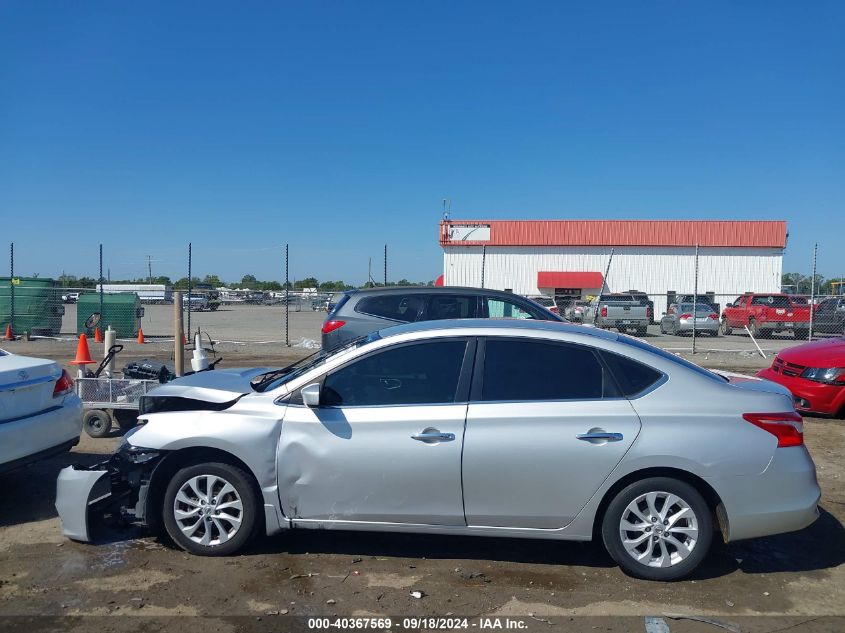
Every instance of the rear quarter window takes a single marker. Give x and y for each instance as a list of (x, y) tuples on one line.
[(632, 376)]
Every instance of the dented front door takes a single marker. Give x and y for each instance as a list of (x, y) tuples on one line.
[(363, 464), (385, 443)]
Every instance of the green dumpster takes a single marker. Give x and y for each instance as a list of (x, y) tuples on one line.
[(38, 305), (121, 310)]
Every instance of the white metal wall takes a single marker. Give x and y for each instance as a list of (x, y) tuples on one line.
[(654, 270)]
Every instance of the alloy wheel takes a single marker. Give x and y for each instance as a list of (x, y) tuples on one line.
[(208, 510), (659, 529)]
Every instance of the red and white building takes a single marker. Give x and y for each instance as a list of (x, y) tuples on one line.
[(569, 258)]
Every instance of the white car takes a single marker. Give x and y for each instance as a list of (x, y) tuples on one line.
[(40, 414)]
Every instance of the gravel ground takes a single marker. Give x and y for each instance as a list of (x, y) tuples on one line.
[(793, 581)]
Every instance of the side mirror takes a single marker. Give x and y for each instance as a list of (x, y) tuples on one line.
[(729, 305), (311, 395), (663, 314)]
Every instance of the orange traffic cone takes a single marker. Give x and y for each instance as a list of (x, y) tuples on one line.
[(9, 336), (141, 340), (98, 336), (83, 355)]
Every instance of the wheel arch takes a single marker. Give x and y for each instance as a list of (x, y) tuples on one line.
[(175, 461), (711, 497)]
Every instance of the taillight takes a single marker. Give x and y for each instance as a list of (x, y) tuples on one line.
[(63, 385), (715, 317), (554, 310), (649, 312), (685, 316), (331, 326), (788, 427), (603, 311)]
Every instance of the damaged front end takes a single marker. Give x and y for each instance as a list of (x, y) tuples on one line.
[(115, 489)]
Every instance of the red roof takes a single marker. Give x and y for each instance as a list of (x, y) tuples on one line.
[(738, 233), (569, 280)]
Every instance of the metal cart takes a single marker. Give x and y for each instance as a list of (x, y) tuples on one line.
[(111, 399)]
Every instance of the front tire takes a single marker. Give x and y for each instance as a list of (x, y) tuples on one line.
[(727, 330), (211, 509), (658, 529)]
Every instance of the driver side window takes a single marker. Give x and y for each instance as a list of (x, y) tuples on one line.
[(419, 373)]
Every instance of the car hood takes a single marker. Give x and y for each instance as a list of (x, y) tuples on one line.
[(216, 386), (823, 353)]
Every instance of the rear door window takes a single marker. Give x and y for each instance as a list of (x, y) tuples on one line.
[(396, 307), (524, 370), (451, 307)]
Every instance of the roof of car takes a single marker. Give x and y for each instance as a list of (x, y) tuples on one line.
[(433, 289), (498, 324)]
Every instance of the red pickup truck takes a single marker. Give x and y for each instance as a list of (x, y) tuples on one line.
[(766, 314)]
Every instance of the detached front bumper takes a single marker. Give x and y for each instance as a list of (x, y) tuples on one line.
[(117, 487), (76, 492)]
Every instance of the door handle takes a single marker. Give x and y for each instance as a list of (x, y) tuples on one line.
[(600, 436), (433, 435)]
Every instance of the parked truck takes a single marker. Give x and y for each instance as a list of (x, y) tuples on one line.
[(766, 314), (621, 311)]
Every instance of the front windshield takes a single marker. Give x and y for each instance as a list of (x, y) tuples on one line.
[(276, 378)]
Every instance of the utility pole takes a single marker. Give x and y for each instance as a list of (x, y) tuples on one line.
[(150, 269)]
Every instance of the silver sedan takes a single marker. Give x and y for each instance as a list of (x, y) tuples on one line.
[(679, 320), (460, 427)]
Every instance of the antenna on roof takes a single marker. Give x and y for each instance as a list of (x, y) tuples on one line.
[(447, 209)]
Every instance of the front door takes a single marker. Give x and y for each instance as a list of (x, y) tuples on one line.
[(385, 443), (544, 430)]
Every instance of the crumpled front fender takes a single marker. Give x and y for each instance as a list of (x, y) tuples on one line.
[(76, 491)]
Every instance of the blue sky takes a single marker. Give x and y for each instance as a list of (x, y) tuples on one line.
[(339, 126)]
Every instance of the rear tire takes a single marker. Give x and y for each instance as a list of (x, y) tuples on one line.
[(96, 422), (211, 509), (641, 331), (669, 529)]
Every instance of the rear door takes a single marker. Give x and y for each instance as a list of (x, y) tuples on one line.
[(546, 425)]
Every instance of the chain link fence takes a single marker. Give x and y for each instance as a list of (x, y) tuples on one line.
[(701, 308)]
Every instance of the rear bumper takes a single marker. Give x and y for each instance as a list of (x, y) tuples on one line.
[(622, 323), (64, 447), (810, 396), (783, 498), (783, 326), (25, 440), (699, 327)]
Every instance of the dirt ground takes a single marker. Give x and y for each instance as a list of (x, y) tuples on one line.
[(793, 581)]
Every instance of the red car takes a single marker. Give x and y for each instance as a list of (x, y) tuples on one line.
[(814, 373)]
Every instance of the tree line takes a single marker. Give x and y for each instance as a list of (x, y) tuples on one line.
[(247, 281)]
